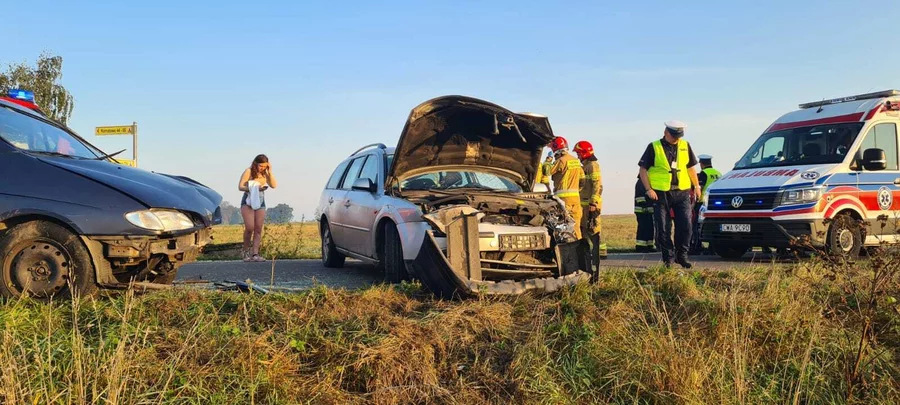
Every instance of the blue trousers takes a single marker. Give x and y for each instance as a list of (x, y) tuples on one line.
[(679, 203)]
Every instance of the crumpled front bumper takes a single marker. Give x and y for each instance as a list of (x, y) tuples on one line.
[(434, 270)]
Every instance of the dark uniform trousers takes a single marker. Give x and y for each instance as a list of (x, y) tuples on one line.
[(643, 211), (679, 203)]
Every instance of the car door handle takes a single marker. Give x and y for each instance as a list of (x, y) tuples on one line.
[(331, 200), (347, 204)]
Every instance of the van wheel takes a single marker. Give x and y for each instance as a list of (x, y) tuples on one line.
[(44, 260), (394, 266), (729, 251), (844, 237), (331, 258)]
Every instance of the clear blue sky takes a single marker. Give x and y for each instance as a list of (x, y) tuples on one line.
[(213, 83)]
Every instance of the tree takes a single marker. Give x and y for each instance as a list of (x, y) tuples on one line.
[(280, 214), (42, 79), (231, 215)]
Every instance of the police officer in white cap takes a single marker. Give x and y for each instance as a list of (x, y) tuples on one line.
[(667, 173)]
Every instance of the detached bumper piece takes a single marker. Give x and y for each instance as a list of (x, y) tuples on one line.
[(463, 272)]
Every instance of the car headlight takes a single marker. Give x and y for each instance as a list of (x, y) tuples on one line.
[(800, 196), (160, 220)]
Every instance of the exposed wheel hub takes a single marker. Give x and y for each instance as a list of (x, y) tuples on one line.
[(845, 240), (41, 267)]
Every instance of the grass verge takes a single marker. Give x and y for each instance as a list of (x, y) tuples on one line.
[(764, 335)]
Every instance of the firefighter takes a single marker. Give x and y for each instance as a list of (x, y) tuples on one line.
[(643, 210), (667, 172), (567, 176), (545, 170), (591, 200), (708, 175)]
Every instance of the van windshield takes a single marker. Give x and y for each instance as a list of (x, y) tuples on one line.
[(821, 144)]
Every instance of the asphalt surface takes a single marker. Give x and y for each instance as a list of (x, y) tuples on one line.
[(302, 274)]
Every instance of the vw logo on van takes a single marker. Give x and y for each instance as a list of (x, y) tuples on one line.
[(737, 201)]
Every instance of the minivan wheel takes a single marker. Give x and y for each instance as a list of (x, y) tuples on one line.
[(394, 266), (844, 237), (44, 260), (331, 258), (729, 251)]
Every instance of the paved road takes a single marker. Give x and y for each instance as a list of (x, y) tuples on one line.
[(300, 274)]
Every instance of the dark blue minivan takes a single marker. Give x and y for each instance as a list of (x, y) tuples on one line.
[(72, 221)]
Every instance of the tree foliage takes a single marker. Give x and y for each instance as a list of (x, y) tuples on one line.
[(280, 214), (43, 79), (231, 215)]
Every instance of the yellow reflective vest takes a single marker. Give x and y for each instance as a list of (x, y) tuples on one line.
[(567, 176), (711, 176), (660, 174)]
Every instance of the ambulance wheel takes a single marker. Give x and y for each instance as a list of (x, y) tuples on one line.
[(729, 251), (844, 237)]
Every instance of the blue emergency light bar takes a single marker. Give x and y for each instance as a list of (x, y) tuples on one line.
[(19, 94)]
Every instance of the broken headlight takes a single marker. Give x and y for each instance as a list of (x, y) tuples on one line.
[(160, 220)]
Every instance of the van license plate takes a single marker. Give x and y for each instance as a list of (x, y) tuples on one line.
[(735, 228)]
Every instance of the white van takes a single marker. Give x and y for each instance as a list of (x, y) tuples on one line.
[(828, 171)]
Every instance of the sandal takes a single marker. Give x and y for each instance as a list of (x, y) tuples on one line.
[(245, 256), (257, 258)]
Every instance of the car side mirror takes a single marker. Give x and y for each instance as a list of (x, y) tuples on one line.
[(874, 159), (541, 188), (364, 184)]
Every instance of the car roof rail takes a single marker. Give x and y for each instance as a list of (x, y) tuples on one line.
[(374, 145)]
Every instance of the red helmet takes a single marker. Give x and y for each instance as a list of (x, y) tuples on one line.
[(583, 149), (559, 143)]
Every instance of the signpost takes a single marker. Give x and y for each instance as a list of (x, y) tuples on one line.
[(122, 130)]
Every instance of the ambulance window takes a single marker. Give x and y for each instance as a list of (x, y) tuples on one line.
[(772, 150), (883, 136)]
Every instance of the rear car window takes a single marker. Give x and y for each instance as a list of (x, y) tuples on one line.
[(30, 134), (352, 173), (335, 179)]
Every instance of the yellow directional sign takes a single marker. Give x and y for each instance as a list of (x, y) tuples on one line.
[(125, 162), (115, 130)]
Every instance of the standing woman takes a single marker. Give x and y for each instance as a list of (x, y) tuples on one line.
[(254, 183)]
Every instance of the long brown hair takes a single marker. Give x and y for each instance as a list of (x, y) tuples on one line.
[(254, 166)]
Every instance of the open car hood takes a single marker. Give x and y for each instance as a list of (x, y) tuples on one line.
[(459, 130)]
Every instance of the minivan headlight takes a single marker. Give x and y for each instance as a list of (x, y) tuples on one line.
[(160, 220), (800, 196)]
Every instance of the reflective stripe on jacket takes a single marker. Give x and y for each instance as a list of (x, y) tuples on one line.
[(660, 174), (592, 191)]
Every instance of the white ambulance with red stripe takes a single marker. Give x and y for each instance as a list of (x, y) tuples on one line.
[(827, 172)]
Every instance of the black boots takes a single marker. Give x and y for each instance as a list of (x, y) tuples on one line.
[(683, 261)]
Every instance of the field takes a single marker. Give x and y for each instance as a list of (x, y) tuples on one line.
[(300, 240), (814, 333)]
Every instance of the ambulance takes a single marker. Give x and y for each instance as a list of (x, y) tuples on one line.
[(826, 174)]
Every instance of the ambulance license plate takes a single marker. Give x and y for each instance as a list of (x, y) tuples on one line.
[(743, 228)]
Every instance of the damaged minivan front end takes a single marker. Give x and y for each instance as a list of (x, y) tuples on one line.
[(469, 166)]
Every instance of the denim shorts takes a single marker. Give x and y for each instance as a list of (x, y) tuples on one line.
[(262, 200)]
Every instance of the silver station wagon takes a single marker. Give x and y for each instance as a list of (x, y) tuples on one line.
[(454, 205)]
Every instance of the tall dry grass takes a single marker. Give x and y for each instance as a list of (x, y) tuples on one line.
[(766, 335)]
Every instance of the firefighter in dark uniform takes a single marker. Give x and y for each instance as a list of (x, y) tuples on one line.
[(643, 210), (667, 172), (708, 175)]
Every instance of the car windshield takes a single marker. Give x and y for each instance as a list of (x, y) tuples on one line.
[(821, 144), (450, 180), (36, 136)]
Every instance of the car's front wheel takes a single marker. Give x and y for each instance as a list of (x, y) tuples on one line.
[(331, 258), (394, 266), (43, 259)]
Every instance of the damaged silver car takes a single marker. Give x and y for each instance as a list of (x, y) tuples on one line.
[(453, 205)]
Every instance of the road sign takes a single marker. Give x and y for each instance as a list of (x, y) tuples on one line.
[(115, 130), (122, 130), (125, 162)]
